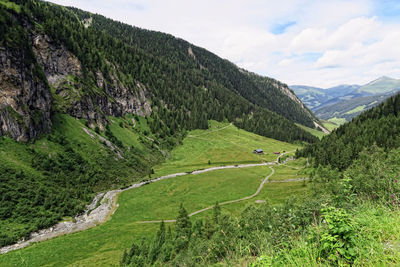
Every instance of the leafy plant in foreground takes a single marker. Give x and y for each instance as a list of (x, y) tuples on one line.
[(337, 240)]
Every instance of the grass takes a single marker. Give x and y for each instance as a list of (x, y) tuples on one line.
[(329, 125), (228, 146), (338, 121), (314, 132), (126, 133), (276, 193), (104, 244), (377, 241), (356, 109), (74, 134)]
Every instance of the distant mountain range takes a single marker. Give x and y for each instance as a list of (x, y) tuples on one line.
[(342, 103)]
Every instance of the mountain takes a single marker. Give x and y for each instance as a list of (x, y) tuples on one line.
[(315, 97), (379, 125), (381, 85), (117, 69), (88, 104), (344, 102), (350, 108)]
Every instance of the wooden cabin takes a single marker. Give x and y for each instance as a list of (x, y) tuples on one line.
[(258, 151)]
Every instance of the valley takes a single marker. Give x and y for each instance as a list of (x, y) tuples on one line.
[(342, 103), (222, 144), (122, 146)]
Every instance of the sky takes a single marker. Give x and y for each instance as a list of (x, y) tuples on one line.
[(320, 43)]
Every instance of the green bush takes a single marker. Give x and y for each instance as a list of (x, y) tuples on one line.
[(337, 238)]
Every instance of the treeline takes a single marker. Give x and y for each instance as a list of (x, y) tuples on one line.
[(192, 90), (379, 125)]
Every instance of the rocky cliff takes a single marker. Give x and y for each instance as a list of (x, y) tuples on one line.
[(27, 97)]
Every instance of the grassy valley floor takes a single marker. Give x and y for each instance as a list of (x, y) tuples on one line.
[(222, 144)]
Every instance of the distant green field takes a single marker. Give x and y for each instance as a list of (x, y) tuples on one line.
[(356, 109), (104, 244), (338, 121), (329, 125), (221, 147), (314, 132)]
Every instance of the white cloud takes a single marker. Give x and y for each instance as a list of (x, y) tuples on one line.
[(354, 45)]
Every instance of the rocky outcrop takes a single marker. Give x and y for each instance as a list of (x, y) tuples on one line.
[(25, 99), (56, 61), (63, 71)]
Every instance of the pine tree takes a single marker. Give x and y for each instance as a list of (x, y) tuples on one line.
[(183, 229), (216, 212), (157, 244)]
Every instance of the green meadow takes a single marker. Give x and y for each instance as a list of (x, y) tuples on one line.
[(338, 121), (329, 125), (314, 132), (222, 144)]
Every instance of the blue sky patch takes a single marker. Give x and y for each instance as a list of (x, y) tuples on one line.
[(311, 56), (281, 28), (387, 10)]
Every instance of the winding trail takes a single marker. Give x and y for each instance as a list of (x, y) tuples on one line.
[(222, 203), (96, 213)]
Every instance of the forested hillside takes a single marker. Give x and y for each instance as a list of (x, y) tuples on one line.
[(380, 126), (262, 91), (190, 83)]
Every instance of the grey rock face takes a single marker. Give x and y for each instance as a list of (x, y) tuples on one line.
[(25, 100), (60, 65)]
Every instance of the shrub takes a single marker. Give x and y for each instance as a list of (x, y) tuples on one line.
[(337, 238)]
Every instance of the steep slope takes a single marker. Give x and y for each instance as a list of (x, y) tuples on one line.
[(97, 107), (109, 68), (261, 91), (379, 125)]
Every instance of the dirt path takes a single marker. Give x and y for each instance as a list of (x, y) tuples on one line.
[(236, 200), (244, 198), (222, 203), (290, 180)]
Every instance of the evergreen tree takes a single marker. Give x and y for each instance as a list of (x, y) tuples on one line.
[(216, 212), (183, 229)]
